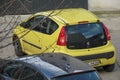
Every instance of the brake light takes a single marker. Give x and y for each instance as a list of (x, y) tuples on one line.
[(106, 32), (62, 38)]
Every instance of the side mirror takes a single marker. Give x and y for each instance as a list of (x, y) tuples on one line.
[(24, 24)]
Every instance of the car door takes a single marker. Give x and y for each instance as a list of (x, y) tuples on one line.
[(32, 41), (41, 37)]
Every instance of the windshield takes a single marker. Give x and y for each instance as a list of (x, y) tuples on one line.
[(80, 76), (88, 35)]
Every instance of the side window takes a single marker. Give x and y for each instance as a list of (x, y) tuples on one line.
[(2, 77), (12, 70), (34, 22), (30, 74)]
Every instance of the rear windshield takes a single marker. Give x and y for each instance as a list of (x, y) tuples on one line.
[(81, 76), (83, 36)]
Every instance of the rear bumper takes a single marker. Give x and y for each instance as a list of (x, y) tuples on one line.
[(107, 58), (106, 55)]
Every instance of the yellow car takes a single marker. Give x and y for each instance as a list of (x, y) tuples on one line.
[(76, 32)]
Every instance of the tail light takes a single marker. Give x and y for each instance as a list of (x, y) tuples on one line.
[(106, 32), (62, 38)]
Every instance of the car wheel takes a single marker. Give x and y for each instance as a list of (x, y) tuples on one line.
[(109, 68), (18, 48)]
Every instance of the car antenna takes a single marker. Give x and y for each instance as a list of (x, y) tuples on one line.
[(53, 50)]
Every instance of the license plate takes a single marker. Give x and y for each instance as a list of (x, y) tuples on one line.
[(94, 62)]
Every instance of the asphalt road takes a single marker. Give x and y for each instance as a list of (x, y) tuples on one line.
[(115, 75), (111, 20)]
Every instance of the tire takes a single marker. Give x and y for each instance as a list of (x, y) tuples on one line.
[(18, 48), (109, 68)]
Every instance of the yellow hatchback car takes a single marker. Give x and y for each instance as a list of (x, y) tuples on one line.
[(76, 32)]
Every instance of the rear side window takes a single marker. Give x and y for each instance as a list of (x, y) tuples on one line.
[(48, 26), (83, 36)]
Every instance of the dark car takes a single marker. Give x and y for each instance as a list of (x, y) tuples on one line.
[(48, 66)]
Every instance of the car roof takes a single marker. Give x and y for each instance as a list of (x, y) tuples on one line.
[(56, 64), (70, 16)]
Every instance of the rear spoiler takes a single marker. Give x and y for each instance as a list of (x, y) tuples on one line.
[(69, 74)]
